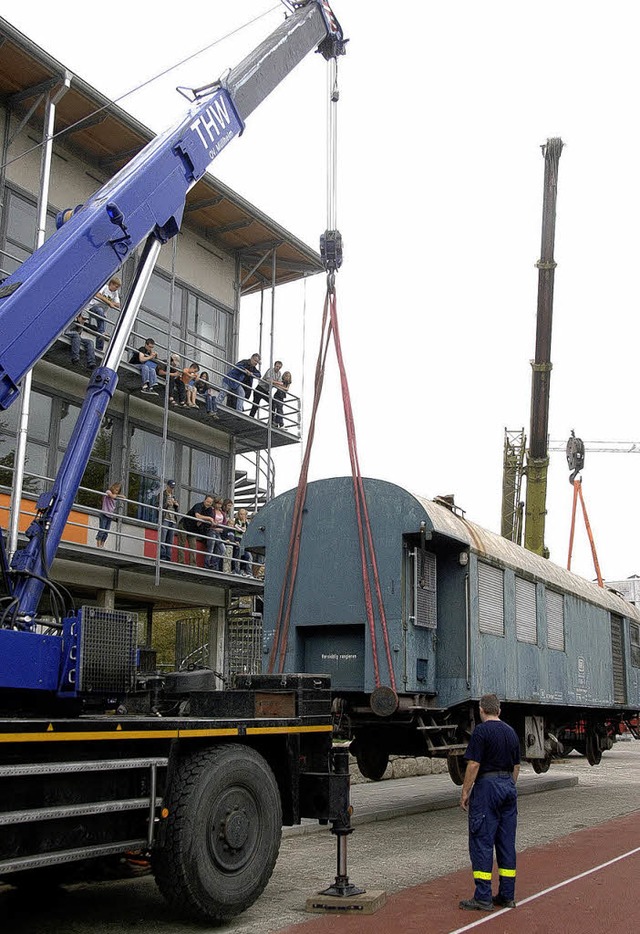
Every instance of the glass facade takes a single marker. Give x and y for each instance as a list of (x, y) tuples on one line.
[(19, 231), (199, 330), (51, 423)]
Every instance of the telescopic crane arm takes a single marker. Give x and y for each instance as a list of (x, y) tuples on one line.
[(146, 198), (538, 459), (142, 204)]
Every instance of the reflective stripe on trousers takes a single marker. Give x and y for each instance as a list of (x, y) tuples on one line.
[(493, 816)]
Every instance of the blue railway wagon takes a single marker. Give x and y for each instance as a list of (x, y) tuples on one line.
[(466, 612)]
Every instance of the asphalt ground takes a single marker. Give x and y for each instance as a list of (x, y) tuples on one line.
[(410, 841)]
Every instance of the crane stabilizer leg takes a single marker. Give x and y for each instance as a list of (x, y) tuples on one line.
[(343, 897)]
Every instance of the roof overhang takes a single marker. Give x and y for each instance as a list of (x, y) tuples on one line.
[(102, 134)]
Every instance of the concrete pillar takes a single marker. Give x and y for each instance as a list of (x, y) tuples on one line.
[(107, 599)]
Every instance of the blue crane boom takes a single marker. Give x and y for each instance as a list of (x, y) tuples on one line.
[(174, 748), (146, 198), (142, 204)]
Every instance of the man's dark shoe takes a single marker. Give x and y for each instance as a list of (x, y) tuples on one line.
[(471, 904), (501, 902)]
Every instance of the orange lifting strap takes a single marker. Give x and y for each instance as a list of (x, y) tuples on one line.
[(575, 460), (577, 494), (370, 577)]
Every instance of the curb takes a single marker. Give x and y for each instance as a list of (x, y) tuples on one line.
[(434, 798)]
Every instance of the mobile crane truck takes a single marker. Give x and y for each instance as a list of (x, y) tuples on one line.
[(97, 760)]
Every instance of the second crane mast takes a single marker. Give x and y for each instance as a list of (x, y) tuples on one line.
[(538, 453)]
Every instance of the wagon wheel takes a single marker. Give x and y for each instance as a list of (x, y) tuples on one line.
[(540, 766), (371, 755), (222, 833), (457, 766), (593, 750)]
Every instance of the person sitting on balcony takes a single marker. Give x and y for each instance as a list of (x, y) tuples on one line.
[(186, 377), (202, 383), (107, 297), (146, 358), (196, 524), (190, 386), (238, 378), (78, 338), (171, 372), (210, 392)]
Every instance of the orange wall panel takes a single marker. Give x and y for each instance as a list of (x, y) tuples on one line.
[(76, 530)]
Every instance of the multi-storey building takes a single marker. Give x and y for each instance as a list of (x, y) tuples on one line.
[(226, 249)]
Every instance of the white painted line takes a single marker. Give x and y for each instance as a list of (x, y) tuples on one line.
[(493, 914)]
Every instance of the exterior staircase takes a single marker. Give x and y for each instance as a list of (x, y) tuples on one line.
[(253, 481)]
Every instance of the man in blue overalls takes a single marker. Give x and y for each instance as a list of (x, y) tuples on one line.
[(489, 794)]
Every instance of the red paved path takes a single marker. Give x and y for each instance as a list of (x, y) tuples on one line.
[(601, 902)]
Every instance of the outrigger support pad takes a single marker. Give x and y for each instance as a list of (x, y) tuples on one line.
[(341, 827)]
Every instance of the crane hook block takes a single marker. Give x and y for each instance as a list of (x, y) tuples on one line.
[(331, 250), (575, 456)]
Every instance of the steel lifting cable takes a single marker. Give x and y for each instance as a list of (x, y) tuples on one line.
[(331, 249)]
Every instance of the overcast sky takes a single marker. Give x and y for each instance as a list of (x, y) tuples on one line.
[(443, 109)]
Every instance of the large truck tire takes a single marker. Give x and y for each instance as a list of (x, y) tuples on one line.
[(222, 833)]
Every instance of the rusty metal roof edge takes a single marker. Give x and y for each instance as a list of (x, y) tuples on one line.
[(491, 545)]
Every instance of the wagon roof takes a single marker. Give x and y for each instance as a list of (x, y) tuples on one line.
[(494, 547)]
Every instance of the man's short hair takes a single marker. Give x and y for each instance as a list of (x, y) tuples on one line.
[(490, 704)]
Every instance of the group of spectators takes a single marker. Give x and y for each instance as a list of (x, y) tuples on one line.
[(210, 522), (186, 384)]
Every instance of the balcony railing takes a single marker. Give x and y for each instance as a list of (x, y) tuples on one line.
[(158, 543), (282, 423)]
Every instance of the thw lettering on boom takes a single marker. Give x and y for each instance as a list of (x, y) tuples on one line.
[(212, 127)]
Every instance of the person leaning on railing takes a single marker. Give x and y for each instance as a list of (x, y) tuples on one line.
[(170, 507), (109, 503), (192, 526), (244, 564), (278, 399), (237, 383), (262, 390)]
